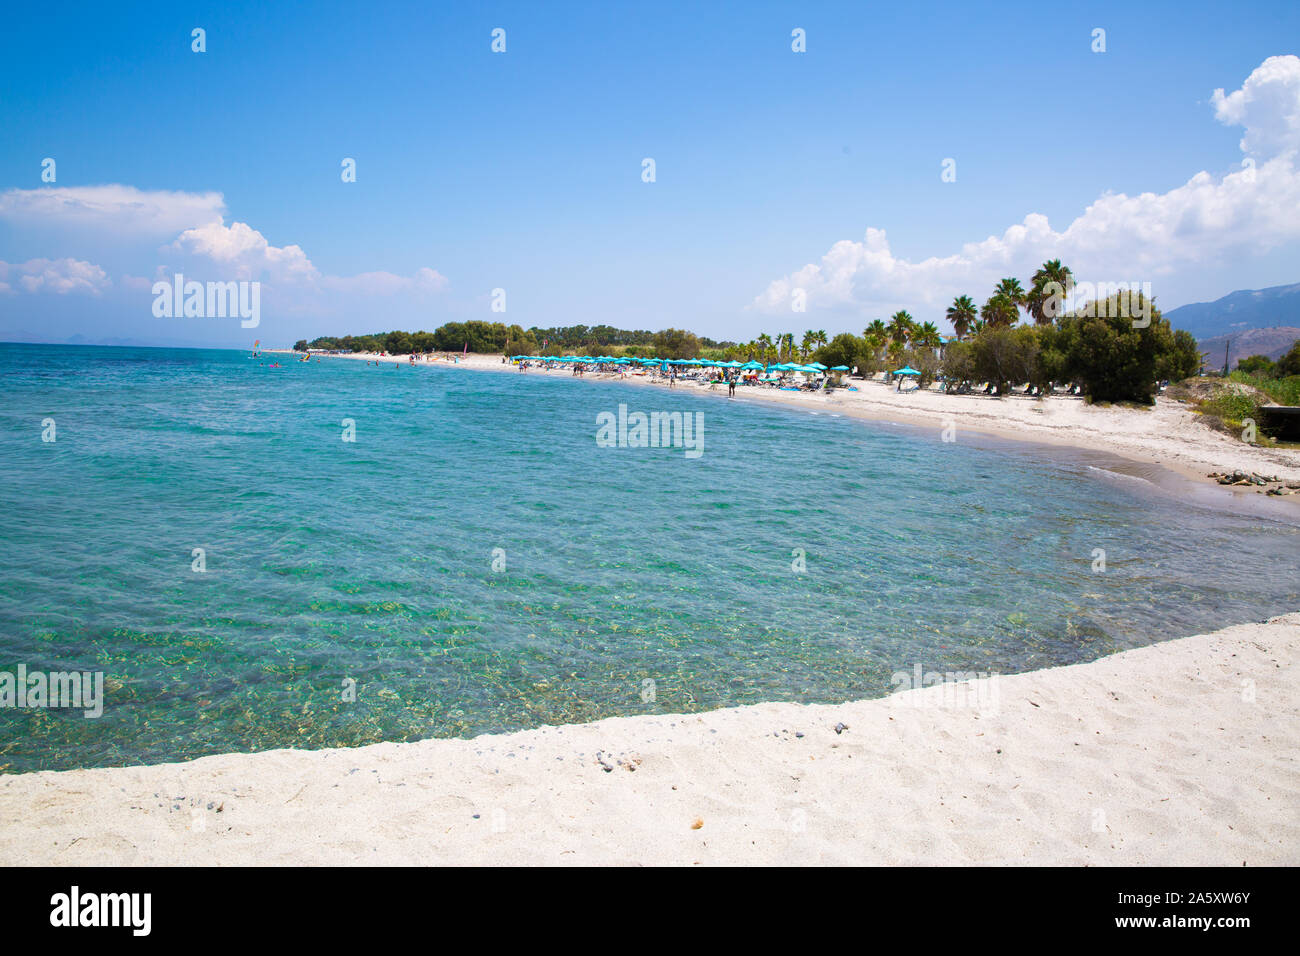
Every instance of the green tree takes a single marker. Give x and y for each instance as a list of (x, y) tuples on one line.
[(1000, 311), (1180, 356), (961, 314), (927, 336), (958, 365), (845, 349), (1044, 304), (1256, 365), (1112, 358), (1289, 364), (1006, 356), (807, 344), (1012, 290), (677, 344), (900, 328)]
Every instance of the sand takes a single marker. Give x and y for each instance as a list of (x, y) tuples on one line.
[(1179, 753)]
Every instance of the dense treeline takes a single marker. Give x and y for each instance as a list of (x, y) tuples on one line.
[(498, 337), (1265, 367), (452, 337), (1107, 355)]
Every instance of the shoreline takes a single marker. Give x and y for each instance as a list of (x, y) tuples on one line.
[(1176, 753), (1167, 436)]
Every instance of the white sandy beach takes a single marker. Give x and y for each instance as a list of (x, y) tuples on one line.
[(1181, 753)]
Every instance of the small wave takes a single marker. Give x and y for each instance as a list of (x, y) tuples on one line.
[(1120, 474)]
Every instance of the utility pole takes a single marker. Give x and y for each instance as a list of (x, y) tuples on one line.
[(1225, 357)]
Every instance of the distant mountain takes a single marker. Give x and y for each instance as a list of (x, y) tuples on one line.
[(1271, 342), (1240, 311)]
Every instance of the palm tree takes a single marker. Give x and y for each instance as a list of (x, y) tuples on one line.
[(1011, 289), (1000, 311), (927, 336), (819, 338), (764, 343), (1036, 301), (807, 345), (900, 327), (874, 336), (962, 313)]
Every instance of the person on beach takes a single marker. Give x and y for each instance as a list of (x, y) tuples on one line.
[(731, 387)]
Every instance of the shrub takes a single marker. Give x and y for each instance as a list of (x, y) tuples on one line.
[(1256, 365), (1289, 364)]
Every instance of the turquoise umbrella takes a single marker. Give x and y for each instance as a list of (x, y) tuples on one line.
[(907, 370)]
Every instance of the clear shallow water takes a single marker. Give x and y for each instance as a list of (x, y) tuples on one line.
[(372, 560)]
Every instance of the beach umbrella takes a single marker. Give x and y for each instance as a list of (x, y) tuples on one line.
[(753, 365), (839, 368), (817, 365), (907, 370)]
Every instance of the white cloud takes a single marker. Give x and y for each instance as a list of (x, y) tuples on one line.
[(241, 252), (1117, 238), (195, 224), (60, 276), (123, 210), (1267, 105), (245, 253)]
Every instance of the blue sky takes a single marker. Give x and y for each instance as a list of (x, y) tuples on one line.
[(522, 170)]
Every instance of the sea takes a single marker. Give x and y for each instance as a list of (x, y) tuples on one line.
[(255, 553)]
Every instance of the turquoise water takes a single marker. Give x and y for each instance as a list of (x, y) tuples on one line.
[(372, 560)]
